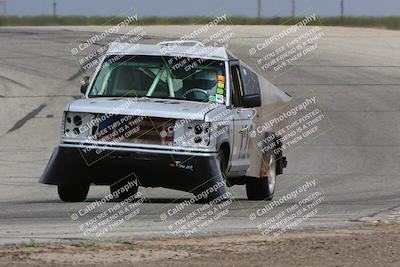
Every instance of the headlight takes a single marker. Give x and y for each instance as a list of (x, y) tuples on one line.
[(192, 134), (77, 120), (77, 125), (197, 139)]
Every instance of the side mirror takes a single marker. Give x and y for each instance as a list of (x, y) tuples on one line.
[(84, 84), (251, 101)]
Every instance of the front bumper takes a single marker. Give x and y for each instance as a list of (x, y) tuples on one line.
[(190, 173)]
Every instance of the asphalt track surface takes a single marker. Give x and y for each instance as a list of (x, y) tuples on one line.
[(354, 72)]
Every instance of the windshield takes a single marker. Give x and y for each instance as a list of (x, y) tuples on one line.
[(161, 77)]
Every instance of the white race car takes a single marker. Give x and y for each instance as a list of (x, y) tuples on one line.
[(175, 115)]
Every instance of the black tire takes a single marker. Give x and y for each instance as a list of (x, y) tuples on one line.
[(223, 163), (261, 189), (258, 189), (126, 194), (73, 193)]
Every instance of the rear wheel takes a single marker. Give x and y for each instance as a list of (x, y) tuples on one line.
[(263, 188), (73, 193)]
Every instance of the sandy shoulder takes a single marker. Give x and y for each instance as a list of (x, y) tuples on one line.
[(372, 245)]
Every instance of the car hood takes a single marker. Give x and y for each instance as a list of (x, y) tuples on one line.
[(151, 107)]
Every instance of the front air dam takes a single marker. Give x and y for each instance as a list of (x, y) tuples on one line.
[(195, 174)]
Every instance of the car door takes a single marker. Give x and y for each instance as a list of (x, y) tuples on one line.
[(242, 123)]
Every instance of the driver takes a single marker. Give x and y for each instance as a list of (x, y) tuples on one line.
[(200, 85)]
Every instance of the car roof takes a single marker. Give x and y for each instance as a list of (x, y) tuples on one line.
[(173, 49)]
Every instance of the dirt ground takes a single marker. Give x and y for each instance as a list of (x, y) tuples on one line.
[(371, 245)]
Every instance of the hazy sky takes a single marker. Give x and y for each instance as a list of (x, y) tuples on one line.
[(202, 7)]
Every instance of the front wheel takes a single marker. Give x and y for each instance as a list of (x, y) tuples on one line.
[(73, 193), (263, 188), (223, 162)]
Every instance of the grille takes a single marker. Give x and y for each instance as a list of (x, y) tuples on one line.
[(134, 129)]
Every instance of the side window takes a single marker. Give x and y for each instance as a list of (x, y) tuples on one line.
[(251, 83), (237, 89)]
